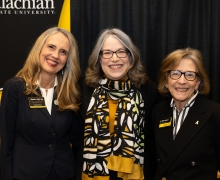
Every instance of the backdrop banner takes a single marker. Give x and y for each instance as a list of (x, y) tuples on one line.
[(21, 22), (156, 27)]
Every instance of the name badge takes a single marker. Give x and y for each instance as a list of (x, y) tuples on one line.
[(165, 122), (36, 102)]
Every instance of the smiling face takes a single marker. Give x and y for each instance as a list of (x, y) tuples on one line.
[(54, 54), (114, 68), (181, 89)]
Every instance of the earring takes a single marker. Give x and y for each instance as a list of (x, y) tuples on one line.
[(62, 71), (165, 88)]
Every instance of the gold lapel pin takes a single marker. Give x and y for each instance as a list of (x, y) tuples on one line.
[(197, 122)]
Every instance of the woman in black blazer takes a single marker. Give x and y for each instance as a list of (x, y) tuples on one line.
[(39, 112), (187, 124)]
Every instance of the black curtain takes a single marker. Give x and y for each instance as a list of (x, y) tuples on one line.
[(157, 27), (19, 31)]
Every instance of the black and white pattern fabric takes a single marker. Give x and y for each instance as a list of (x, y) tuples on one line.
[(124, 151), (179, 117)]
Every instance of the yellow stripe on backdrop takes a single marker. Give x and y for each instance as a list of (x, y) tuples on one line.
[(64, 21), (0, 95)]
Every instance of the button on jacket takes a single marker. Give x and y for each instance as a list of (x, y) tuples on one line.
[(33, 141), (195, 152)]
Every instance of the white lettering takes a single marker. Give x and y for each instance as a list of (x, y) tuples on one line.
[(10, 5), (5, 11), (47, 4), (36, 12), (33, 4), (27, 4), (15, 4), (3, 4), (40, 5), (23, 4)]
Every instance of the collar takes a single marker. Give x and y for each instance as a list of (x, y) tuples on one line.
[(189, 103), (55, 82)]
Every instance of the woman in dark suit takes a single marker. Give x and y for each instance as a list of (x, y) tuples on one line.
[(117, 101), (187, 124), (39, 112)]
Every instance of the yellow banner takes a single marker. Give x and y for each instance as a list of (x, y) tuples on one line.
[(64, 21), (0, 95)]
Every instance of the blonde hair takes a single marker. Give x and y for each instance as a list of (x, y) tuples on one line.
[(137, 74), (173, 60), (67, 89)]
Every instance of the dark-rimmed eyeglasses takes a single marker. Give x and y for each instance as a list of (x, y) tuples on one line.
[(107, 54), (189, 75)]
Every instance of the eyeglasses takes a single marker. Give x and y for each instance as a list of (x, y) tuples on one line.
[(121, 53), (189, 75)]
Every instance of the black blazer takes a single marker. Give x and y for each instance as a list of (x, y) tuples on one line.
[(151, 97), (33, 140), (195, 152)]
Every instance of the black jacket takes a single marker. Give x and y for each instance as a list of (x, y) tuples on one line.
[(195, 152), (33, 140)]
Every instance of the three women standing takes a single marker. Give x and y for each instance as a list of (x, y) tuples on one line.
[(39, 119)]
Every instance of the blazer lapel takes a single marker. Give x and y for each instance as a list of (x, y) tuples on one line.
[(54, 108), (86, 97), (44, 110), (195, 120), (166, 133)]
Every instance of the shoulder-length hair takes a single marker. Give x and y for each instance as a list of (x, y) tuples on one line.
[(172, 61), (137, 73), (67, 89)]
